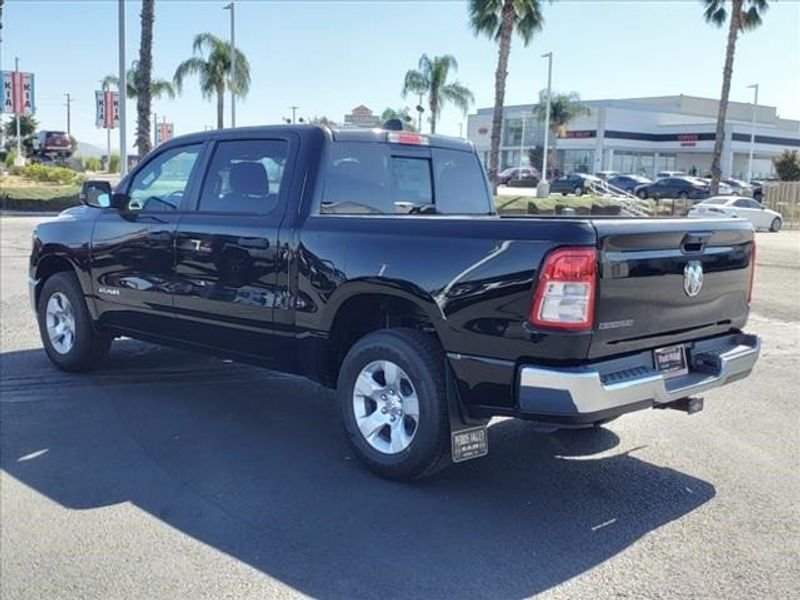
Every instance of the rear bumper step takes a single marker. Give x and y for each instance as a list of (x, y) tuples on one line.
[(603, 390)]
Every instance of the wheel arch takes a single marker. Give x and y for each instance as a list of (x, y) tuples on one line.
[(360, 308), (58, 261)]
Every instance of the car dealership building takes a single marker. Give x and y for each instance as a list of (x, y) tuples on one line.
[(644, 135)]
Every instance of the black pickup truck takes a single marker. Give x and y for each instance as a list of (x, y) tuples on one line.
[(373, 261)]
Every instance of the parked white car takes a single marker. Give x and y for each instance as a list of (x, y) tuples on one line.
[(738, 207)]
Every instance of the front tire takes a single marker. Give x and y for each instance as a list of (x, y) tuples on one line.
[(69, 337), (775, 226), (642, 194), (393, 399)]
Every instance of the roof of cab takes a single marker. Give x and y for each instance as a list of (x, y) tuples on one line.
[(336, 135)]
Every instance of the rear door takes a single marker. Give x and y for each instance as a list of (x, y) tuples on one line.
[(648, 290), (228, 251)]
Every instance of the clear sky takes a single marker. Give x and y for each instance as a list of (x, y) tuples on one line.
[(328, 57)]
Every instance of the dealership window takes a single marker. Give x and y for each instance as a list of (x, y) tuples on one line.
[(577, 161), (509, 158), (665, 162), (640, 163), (512, 132)]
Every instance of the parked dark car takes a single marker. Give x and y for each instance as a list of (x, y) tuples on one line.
[(629, 183), (53, 144), (518, 173), (374, 262), (574, 183), (674, 187)]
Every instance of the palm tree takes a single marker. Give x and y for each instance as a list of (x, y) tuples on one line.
[(564, 108), (215, 71), (744, 15), (499, 19), (430, 78), (143, 98), (158, 87)]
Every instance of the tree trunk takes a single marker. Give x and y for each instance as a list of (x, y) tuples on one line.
[(727, 74), (506, 29), (143, 99), (220, 106), (434, 115)]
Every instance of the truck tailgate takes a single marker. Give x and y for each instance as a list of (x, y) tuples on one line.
[(667, 281)]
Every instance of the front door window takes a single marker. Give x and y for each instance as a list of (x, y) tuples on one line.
[(161, 183)]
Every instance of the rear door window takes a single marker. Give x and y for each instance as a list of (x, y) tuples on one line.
[(460, 185), (245, 177)]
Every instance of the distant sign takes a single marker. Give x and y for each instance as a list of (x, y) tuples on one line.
[(578, 134), (164, 132), (18, 93), (483, 130), (688, 137), (106, 109)]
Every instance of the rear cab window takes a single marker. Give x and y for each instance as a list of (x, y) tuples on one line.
[(393, 179)]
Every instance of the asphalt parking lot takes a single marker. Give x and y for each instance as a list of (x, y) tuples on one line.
[(166, 474)]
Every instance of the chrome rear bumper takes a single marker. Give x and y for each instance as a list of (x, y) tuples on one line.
[(603, 389)]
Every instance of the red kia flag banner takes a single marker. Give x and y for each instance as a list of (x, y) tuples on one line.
[(17, 94), (164, 132), (106, 109)]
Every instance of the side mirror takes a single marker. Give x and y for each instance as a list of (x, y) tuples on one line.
[(93, 191)]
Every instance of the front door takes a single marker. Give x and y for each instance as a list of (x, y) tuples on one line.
[(133, 249), (227, 252)]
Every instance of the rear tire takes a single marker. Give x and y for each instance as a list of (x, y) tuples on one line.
[(69, 337), (775, 226), (390, 380), (578, 191)]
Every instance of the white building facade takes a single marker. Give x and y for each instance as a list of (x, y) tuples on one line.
[(643, 135)]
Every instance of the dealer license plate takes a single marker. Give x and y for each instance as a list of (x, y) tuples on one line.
[(470, 443), (671, 361)]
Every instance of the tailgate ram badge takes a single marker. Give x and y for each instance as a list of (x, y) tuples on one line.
[(693, 278)]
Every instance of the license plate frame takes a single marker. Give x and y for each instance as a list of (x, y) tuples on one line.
[(671, 361), (467, 444)]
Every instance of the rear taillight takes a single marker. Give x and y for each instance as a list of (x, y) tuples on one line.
[(564, 297), (752, 273)]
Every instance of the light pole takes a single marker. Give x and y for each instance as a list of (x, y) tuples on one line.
[(522, 144), (123, 96), (68, 105), (19, 160), (231, 7), (294, 113), (752, 134), (543, 188)]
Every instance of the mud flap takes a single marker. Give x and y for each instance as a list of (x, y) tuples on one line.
[(469, 438)]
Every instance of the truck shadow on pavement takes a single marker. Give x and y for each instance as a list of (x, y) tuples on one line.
[(255, 464)]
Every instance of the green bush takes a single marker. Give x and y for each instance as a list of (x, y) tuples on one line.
[(92, 163), (787, 165), (114, 163), (47, 174), (11, 156)]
